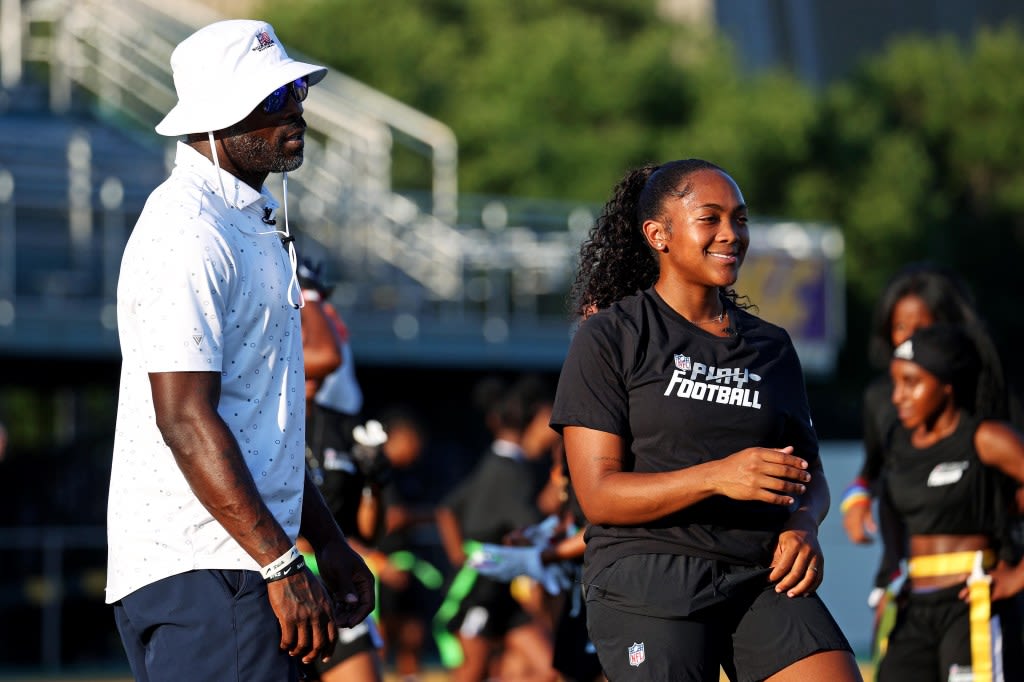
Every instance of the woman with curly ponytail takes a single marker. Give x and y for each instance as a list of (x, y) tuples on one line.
[(691, 449)]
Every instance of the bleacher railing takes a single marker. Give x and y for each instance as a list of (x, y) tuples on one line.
[(119, 52), (398, 258), (424, 279)]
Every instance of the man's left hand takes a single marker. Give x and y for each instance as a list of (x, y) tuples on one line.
[(349, 581)]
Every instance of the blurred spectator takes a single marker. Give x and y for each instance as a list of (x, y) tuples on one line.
[(575, 656), (321, 348), (408, 580), (919, 295), (347, 472), (496, 636)]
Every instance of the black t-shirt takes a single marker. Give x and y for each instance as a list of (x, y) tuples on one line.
[(495, 499), (679, 396), (945, 488)]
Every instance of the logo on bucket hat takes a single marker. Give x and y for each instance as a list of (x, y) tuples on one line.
[(264, 40), (225, 70)]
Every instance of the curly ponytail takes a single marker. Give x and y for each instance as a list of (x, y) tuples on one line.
[(615, 260)]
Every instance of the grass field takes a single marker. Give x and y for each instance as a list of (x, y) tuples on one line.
[(848, 579), (429, 676)]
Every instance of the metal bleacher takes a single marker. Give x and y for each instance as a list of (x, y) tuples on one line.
[(426, 278)]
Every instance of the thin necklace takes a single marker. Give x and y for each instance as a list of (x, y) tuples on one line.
[(718, 318)]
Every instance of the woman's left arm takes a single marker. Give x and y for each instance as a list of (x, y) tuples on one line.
[(799, 564)]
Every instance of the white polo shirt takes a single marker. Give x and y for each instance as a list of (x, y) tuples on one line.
[(203, 287)]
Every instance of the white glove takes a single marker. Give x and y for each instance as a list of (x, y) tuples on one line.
[(504, 563), (553, 577), (499, 561), (370, 434), (540, 534)]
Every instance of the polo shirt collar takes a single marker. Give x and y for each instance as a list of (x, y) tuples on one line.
[(240, 194)]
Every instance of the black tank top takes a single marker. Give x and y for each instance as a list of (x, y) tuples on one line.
[(945, 488)]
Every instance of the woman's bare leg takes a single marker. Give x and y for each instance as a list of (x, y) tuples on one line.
[(835, 666), (362, 667), (476, 653), (529, 652)]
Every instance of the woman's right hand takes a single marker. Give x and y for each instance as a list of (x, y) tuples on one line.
[(768, 475), (859, 523), (1007, 581)]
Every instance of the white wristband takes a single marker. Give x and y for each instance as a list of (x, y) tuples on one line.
[(277, 564), (311, 294)]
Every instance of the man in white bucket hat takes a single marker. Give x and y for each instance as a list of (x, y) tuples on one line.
[(208, 490)]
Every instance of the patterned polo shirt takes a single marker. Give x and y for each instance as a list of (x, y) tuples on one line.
[(203, 288)]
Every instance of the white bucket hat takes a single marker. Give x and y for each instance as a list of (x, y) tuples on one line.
[(224, 70)]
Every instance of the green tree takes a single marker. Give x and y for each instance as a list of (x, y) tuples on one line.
[(917, 157), (557, 99)]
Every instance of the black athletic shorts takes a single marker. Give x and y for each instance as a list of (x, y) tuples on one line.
[(489, 611), (932, 638), (351, 641), (677, 619), (575, 656)]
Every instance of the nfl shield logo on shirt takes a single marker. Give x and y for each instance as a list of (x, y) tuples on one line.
[(636, 654), (682, 362)]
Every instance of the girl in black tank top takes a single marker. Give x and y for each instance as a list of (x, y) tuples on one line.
[(951, 476)]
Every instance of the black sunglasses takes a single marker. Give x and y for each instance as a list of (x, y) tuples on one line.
[(276, 100)]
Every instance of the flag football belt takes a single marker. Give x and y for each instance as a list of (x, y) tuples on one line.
[(953, 563), (979, 598)]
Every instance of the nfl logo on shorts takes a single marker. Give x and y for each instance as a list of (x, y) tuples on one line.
[(636, 654)]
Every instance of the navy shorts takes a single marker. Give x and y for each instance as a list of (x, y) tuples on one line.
[(677, 619), (204, 626)]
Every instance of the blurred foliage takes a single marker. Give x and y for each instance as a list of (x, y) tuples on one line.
[(23, 414), (39, 416), (916, 155), (556, 99)]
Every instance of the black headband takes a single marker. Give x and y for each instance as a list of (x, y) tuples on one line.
[(943, 350)]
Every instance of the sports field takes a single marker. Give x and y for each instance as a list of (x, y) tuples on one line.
[(848, 575), (429, 676)]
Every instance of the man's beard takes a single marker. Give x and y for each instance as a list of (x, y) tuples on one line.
[(254, 153)]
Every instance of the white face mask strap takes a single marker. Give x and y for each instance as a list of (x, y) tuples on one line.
[(295, 298), (216, 164), (293, 285)]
